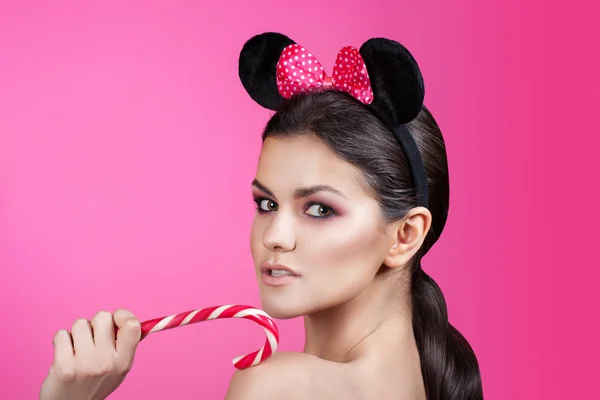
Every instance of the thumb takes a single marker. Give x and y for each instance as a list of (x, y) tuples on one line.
[(129, 331)]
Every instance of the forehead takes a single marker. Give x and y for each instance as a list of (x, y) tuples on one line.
[(304, 160)]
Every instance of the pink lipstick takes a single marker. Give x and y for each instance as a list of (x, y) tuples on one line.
[(277, 274)]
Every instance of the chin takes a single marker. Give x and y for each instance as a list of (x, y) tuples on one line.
[(281, 308)]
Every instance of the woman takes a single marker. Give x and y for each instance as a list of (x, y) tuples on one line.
[(351, 191)]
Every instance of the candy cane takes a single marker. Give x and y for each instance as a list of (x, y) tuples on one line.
[(227, 311)]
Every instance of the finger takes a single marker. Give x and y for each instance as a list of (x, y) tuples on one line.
[(63, 348), (129, 333), (83, 338), (104, 330)]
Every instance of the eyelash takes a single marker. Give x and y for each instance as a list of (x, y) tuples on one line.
[(332, 213)]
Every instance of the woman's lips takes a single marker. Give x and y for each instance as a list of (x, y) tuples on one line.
[(274, 274), (278, 280)]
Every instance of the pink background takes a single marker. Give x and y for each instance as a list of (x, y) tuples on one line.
[(127, 147)]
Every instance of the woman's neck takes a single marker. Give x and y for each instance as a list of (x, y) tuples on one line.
[(334, 333)]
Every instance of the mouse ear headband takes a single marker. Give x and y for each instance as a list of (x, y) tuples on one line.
[(382, 75)]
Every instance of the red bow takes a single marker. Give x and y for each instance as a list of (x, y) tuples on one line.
[(299, 71)]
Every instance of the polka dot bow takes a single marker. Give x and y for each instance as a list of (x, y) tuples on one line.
[(299, 71)]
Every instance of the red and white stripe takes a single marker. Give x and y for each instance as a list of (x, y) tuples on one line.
[(227, 311)]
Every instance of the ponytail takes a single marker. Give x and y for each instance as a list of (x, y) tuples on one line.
[(448, 363)]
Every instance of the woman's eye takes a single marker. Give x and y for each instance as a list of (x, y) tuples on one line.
[(268, 205), (320, 211)]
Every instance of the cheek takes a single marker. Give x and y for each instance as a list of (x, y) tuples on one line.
[(343, 262), (255, 238), (351, 250)]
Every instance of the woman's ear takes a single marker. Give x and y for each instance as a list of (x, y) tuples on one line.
[(408, 236)]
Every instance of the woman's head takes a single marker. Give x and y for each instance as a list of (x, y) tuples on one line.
[(365, 221)]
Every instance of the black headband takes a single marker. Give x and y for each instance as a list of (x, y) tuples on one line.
[(415, 162), (395, 81)]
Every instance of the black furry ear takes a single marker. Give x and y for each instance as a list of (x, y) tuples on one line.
[(396, 79), (257, 67)]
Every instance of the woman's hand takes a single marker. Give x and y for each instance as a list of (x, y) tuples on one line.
[(89, 364)]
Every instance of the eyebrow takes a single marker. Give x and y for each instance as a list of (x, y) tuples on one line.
[(301, 192)]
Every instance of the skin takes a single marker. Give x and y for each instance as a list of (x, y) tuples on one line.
[(352, 292), (90, 362)]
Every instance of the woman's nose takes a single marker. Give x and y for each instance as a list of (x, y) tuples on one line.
[(279, 235)]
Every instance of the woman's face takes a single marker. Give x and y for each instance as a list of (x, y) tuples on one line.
[(314, 218)]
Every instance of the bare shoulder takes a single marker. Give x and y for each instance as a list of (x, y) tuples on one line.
[(297, 376)]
